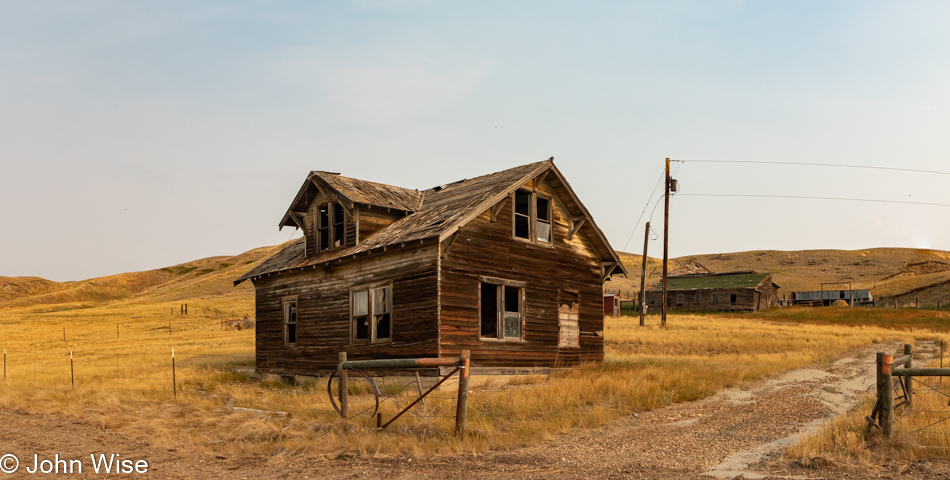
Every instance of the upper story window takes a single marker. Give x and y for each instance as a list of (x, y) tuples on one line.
[(371, 314), (331, 226), (533, 216)]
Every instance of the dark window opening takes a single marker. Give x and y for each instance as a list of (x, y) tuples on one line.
[(715, 298), (732, 299), (489, 309), (522, 214), (323, 227)]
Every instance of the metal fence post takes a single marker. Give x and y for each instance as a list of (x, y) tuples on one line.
[(344, 387), (909, 380), (461, 411), (887, 399), (4, 364)]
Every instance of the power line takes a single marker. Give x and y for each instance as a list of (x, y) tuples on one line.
[(644, 211), (815, 164), (813, 198)]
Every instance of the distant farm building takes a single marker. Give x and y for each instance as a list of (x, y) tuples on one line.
[(734, 291), (611, 304), (825, 298)]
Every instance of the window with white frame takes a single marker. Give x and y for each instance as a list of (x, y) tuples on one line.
[(371, 314), (533, 217), (290, 321), (501, 310)]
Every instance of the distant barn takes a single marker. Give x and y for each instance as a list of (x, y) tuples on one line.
[(827, 297), (734, 291)]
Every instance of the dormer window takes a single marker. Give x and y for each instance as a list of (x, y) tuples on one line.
[(331, 226), (532, 217)]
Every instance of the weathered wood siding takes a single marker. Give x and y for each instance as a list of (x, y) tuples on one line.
[(374, 219), (486, 248), (323, 305)]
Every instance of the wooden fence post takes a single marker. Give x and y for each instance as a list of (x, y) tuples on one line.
[(908, 380), (344, 387), (461, 411), (887, 398), (72, 376), (174, 388)]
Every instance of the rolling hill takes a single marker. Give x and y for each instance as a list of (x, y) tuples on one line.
[(892, 274)]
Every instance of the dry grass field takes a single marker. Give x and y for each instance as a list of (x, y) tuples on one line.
[(123, 380)]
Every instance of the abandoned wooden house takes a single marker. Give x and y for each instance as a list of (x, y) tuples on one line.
[(508, 265), (734, 291)]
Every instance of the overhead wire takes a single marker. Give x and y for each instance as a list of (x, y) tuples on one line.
[(817, 164), (814, 198), (647, 205)]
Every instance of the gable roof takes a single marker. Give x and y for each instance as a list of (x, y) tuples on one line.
[(436, 213), (715, 281)]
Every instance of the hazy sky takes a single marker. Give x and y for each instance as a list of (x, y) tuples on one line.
[(136, 135)]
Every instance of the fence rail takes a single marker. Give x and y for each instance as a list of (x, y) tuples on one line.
[(899, 376)]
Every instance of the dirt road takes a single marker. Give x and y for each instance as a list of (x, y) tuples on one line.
[(724, 436)]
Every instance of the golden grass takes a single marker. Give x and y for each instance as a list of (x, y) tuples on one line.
[(921, 433), (645, 368)]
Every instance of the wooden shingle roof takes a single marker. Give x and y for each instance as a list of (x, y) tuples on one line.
[(435, 213)]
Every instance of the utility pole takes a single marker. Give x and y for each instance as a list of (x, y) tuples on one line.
[(643, 274), (666, 241)]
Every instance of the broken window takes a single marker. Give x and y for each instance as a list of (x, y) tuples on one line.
[(501, 311), (533, 217), (371, 310), (331, 226), (523, 214), (732, 299), (290, 321), (715, 298), (544, 220), (323, 227)]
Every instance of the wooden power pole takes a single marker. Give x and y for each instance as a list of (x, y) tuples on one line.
[(666, 241), (643, 274)]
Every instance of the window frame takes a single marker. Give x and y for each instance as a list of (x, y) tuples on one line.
[(285, 303), (371, 313), (331, 226), (500, 285), (532, 217), (697, 299), (680, 298)]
